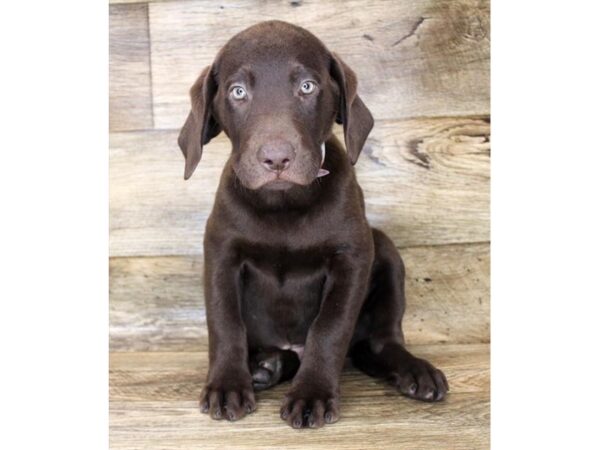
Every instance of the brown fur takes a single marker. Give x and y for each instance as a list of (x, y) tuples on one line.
[(295, 278)]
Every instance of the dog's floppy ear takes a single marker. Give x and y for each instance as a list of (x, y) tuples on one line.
[(352, 113), (200, 126)]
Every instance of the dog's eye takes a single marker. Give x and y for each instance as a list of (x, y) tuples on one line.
[(307, 87), (238, 93)]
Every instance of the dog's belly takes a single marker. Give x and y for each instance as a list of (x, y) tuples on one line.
[(281, 297)]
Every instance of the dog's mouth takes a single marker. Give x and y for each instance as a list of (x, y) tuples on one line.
[(284, 180), (279, 184)]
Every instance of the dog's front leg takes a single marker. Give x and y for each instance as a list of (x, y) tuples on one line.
[(313, 398), (228, 392)]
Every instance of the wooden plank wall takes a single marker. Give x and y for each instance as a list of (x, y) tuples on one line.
[(423, 69), (129, 77)]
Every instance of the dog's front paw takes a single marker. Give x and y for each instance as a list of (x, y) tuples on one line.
[(230, 397), (308, 406), (418, 379)]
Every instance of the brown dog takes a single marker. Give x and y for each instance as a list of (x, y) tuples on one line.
[(295, 278)]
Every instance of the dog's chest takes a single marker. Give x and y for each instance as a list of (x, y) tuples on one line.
[(281, 295)]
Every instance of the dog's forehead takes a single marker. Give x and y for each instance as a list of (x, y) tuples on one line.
[(273, 45)]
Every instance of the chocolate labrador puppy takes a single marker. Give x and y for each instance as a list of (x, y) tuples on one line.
[(295, 278)]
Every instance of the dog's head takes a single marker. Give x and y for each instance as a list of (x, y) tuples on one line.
[(275, 90)]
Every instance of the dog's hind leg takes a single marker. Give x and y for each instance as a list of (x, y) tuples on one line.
[(378, 346), (271, 367)]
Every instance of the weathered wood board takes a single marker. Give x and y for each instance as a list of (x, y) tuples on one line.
[(426, 182), (425, 58), (179, 376), (154, 405), (130, 96), (157, 303)]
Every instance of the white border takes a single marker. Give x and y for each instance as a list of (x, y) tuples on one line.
[(54, 237), (545, 225)]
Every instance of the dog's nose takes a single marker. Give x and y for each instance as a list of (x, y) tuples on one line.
[(276, 156)]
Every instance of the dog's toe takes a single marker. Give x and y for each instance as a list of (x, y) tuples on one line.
[(421, 381)]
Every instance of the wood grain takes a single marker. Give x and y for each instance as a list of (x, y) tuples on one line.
[(157, 303), (178, 376), (426, 58), (130, 97), (154, 405), (426, 182)]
